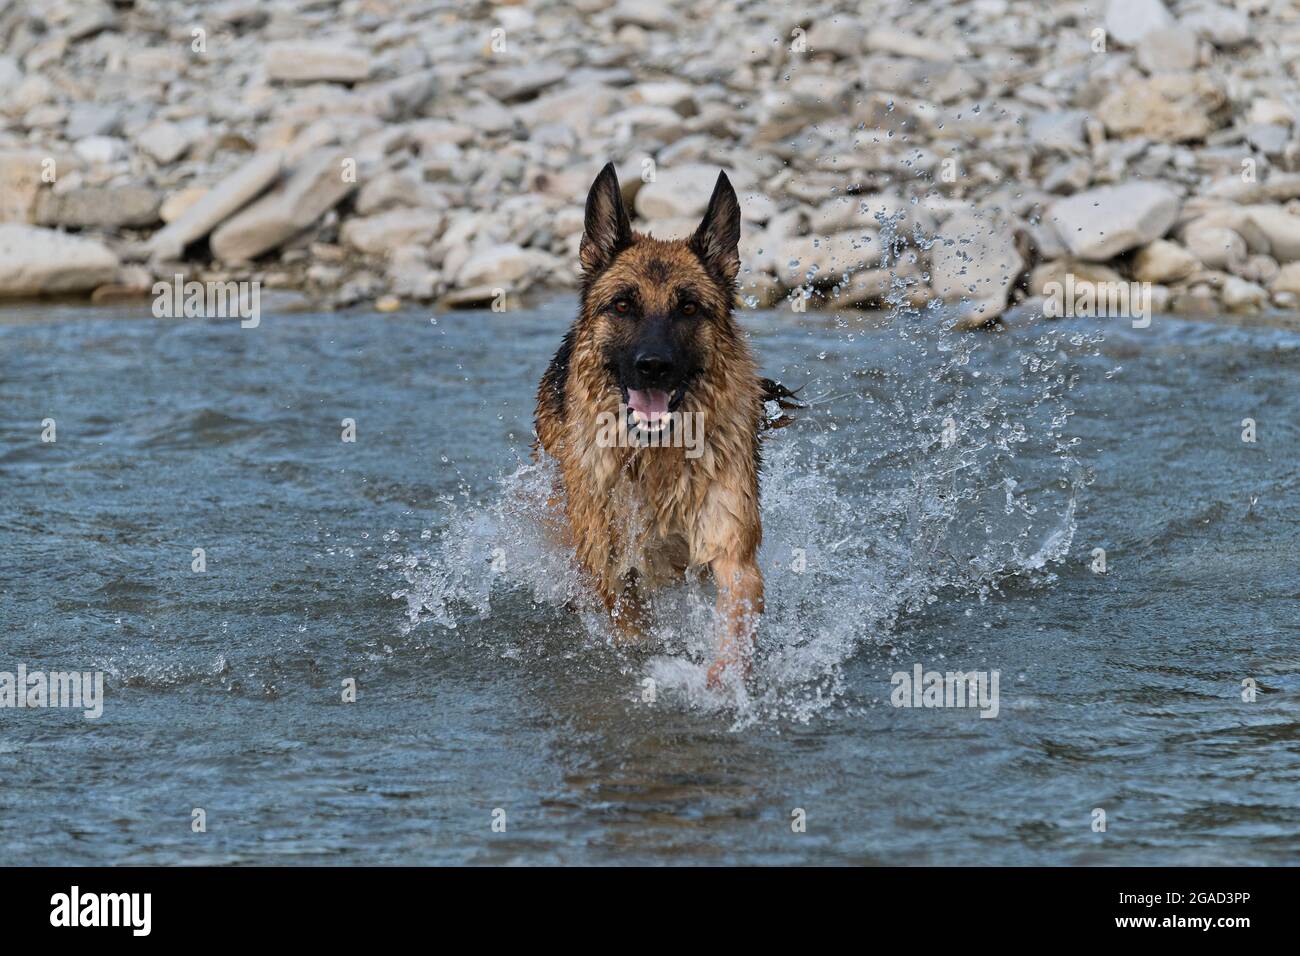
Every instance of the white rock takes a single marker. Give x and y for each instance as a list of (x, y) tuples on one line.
[(165, 142), (91, 119), (576, 108), (876, 211), (378, 234), (1222, 26), (1230, 216), (1061, 129), (1128, 21), (218, 203), (503, 265), (678, 228), (31, 92), (518, 82), (902, 43), (1173, 49), (22, 180), (1258, 268), (671, 93), (1238, 294), (1070, 272), (99, 207), (316, 186), (304, 61), (1268, 138), (680, 191), (826, 260), (100, 150), (35, 261), (1168, 107), (179, 202), (647, 14), (975, 261), (1163, 261), (409, 273), (11, 73), (1267, 110), (1101, 223), (1287, 279), (1216, 247), (837, 35), (1280, 228)]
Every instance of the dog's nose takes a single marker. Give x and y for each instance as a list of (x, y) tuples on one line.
[(653, 364)]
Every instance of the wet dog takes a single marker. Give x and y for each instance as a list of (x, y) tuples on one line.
[(653, 408)]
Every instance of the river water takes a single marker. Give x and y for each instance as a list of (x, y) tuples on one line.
[(940, 503)]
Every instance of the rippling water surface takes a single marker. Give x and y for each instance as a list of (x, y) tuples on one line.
[(939, 504)]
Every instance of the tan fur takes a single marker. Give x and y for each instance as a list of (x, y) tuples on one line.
[(640, 517)]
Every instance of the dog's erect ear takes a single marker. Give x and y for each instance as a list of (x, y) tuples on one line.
[(607, 230), (716, 241)]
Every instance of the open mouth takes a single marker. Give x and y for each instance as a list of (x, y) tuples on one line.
[(650, 410)]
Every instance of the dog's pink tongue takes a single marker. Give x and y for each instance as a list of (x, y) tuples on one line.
[(652, 403)]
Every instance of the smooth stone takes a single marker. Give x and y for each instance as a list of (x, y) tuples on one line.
[(1104, 222), (220, 202), (36, 261)]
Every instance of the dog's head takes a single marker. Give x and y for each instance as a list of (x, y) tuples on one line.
[(658, 312)]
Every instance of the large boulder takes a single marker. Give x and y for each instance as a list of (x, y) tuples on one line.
[(385, 231), (217, 204), (1280, 228), (1287, 279), (1168, 107), (1104, 222), (1215, 246), (36, 261), (315, 187), (875, 211), (506, 265), (1173, 49), (975, 262), (1222, 26), (826, 260), (99, 207), (680, 191), (1128, 21), (1163, 262)]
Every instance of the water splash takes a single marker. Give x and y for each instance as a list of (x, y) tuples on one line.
[(939, 468), (929, 465)]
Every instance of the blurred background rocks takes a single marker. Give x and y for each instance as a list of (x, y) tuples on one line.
[(962, 152)]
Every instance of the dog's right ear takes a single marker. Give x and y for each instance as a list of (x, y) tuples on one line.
[(607, 230)]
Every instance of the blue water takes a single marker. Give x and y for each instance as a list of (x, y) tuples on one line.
[(482, 687)]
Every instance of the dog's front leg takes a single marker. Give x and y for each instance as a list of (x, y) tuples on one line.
[(627, 613), (740, 604)]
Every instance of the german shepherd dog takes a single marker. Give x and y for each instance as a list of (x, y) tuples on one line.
[(655, 341)]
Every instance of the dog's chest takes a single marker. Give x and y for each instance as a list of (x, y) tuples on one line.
[(653, 503)]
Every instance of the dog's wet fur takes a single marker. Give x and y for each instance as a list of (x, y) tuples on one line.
[(655, 338)]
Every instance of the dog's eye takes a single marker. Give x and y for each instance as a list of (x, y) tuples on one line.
[(690, 308), (622, 306)]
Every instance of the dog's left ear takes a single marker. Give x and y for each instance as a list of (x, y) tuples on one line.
[(717, 239), (606, 228)]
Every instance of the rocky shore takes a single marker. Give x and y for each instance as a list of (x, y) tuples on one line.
[(979, 154)]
